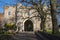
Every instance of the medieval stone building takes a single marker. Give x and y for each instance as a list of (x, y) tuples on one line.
[(28, 19)]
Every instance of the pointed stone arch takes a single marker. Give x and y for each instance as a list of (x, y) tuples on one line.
[(28, 25)]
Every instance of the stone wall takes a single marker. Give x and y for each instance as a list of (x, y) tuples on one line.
[(26, 13)]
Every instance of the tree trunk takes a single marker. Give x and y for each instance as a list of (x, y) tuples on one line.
[(43, 24), (55, 29)]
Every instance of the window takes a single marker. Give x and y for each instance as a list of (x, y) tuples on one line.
[(8, 13)]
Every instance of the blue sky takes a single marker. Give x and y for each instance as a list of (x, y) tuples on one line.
[(11, 2), (6, 3)]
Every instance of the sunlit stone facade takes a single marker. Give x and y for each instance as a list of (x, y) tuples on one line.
[(25, 14)]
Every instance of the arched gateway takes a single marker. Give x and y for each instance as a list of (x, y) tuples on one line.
[(28, 25), (28, 18)]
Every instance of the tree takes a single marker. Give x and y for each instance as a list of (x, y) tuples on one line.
[(43, 15), (38, 5), (55, 29)]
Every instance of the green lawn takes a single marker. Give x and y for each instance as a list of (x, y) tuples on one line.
[(50, 32)]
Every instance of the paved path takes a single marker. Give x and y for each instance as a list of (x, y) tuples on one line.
[(26, 36)]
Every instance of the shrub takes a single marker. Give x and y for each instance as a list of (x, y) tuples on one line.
[(10, 26), (14, 27)]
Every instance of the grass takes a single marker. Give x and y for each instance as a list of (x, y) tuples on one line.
[(50, 32), (47, 31)]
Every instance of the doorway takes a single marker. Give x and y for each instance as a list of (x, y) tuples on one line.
[(28, 25)]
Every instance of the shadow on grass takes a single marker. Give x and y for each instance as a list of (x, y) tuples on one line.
[(6, 37), (50, 36)]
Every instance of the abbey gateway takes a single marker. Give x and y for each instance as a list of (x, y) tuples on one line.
[(28, 19)]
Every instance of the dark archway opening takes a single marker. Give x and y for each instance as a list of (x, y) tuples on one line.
[(28, 25)]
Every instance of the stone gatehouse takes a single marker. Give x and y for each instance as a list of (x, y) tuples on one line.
[(28, 19)]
